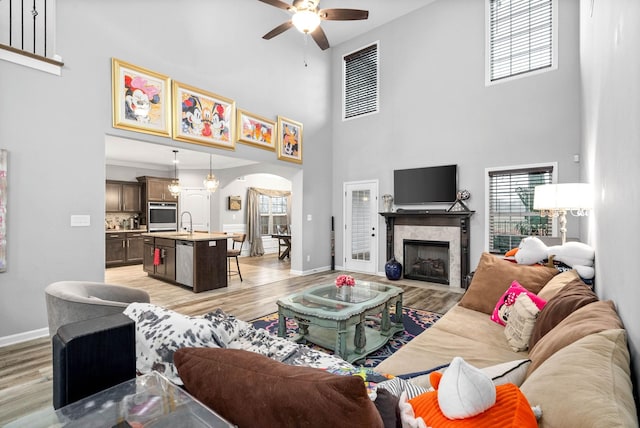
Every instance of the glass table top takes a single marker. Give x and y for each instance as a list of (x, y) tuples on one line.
[(346, 300)]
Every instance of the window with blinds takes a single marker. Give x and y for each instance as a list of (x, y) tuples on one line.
[(511, 214), (520, 37), (360, 72)]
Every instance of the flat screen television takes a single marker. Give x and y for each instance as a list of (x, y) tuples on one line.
[(435, 184)]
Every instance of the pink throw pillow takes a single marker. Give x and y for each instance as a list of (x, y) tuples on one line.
[(505, 303)]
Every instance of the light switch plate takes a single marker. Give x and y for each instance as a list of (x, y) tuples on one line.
[(80, 220)]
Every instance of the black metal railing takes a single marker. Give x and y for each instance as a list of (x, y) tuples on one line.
[(27, 26)]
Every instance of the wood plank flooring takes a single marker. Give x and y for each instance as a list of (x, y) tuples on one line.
[(25, 368)]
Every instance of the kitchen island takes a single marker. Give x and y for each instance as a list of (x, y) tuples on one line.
[(197, 260)]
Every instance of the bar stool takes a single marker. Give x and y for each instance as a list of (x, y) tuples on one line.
[(235, 252)]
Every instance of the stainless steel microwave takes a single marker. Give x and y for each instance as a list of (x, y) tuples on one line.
[(162, 216)]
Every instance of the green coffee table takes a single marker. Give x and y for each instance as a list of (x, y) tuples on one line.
[(335, 317)]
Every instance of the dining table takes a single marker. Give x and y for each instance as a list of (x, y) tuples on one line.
[(284, 239)]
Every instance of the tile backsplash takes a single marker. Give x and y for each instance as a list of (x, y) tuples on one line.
[(118, 221)]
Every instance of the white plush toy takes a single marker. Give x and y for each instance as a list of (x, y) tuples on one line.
[(574, 254)]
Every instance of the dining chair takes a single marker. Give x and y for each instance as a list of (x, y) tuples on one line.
[(235, 252)]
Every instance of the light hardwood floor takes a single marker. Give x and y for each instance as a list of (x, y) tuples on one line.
[(25, 368)]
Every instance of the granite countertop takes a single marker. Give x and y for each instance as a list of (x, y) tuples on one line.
[(187, 236)]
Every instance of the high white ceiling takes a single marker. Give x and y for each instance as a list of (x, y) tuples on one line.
[(135, 153)]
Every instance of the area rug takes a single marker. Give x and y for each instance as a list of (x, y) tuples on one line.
[(415, 321)]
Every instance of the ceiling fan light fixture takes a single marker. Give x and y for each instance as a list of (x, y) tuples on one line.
[(306, 21)]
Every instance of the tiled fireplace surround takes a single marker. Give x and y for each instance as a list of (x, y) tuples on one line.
[(427, 225)]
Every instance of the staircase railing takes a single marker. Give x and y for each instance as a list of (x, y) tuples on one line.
[(27, 28)]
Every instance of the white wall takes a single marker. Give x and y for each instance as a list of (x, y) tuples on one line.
[(610, 69), (54, 127), (436, 110)]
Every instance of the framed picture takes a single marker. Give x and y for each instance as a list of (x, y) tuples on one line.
[(141, 99), (203, 117), (289, 140), (235, 203), (256, 130)]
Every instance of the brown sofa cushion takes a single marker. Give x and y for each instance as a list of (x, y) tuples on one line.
[(571, 297), (592, 318), (493, 276), (251, 390)]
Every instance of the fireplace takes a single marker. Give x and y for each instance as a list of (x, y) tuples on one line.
[(449, 227), (426, 260)]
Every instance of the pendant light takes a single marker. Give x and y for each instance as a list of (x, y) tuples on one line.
[(174, 187), (211, 182)]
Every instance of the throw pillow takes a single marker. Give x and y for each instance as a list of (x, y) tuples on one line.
[(510, 372), (397, 386), (586, 384), (160, 332), (493, 276), (249, 389), (508, 299), (573, 296), (521, 322), (592, 318), (387, 405), (557, 283)]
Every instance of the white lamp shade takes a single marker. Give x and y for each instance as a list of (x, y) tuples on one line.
[(567, 196), (306, 21)]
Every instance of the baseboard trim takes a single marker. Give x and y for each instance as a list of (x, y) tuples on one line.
[(23, 337)]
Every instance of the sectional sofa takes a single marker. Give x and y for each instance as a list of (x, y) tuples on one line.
[(577, 364)]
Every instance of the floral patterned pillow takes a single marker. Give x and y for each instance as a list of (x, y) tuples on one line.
[(505, 304)]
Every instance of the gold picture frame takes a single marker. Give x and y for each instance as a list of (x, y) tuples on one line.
[(235, 203), (289, 140), (256, 130), (141, 99), (203, 117)]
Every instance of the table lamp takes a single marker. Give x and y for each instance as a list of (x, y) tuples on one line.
[(558, 199)]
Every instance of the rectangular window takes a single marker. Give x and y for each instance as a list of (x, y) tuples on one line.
[(273, 213), (521, 37), (361, 82), (510, 206)]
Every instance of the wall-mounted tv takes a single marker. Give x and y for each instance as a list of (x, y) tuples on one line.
[(435, 184)]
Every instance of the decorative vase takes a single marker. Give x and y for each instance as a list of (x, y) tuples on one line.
[(388, 202), (393, 269)]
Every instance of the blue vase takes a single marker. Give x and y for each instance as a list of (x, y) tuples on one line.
[(393, 269)]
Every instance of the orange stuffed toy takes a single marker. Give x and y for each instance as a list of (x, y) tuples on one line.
[(511, 408)]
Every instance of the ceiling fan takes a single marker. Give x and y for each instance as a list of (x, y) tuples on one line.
[(307, 17)]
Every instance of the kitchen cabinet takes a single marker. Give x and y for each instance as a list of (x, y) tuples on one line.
[(156, 189), (115, 249), (123, 248), (166, 269), (122, 196)]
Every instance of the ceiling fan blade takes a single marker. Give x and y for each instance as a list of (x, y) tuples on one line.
[(278, 30), (320, 38), (277, 3), (343, 14)]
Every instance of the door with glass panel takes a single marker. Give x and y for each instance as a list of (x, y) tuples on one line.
[(361, 226)]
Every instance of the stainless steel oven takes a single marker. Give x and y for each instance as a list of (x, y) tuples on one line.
[(162, 216)]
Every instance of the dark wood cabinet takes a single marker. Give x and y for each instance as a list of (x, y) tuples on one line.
[(156, 189), (166, 269), (147, 256), (123, 248), (113, 196), (122, 196), (135, 247), (115, 249)]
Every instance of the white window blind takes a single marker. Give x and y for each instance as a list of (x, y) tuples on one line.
[(511, 214), (361, 82), (521, 36)]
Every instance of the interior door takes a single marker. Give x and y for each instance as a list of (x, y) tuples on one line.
[(361, 226), (197, 202)]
